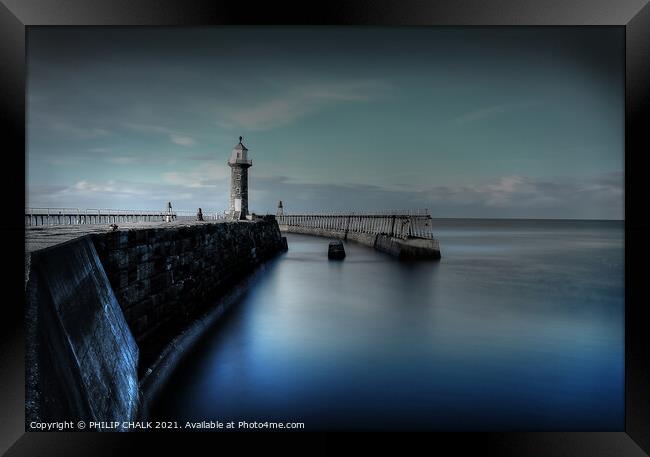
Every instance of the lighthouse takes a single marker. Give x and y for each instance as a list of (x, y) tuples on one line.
[(239, 165)]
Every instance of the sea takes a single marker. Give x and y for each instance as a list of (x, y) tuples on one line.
[(520, 326)]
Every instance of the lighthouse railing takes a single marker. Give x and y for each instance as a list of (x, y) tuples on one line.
[(241, 161)]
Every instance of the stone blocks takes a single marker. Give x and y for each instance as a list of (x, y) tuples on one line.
[(168, 275)]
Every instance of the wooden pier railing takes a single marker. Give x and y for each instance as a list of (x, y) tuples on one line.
[(398, 224)]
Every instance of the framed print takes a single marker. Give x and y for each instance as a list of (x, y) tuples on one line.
[(306, 222)]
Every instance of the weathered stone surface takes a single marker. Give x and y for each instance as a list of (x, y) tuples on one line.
[(335, 250)]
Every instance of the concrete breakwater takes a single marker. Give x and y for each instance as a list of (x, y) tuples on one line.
[(101, 307), (409, 248), (81, 359)]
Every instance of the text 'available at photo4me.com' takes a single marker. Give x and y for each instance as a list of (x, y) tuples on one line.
[(164, 425)]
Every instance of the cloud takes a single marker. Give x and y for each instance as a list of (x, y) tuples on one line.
[(59, 161), (122, 160), (108, 187), (122, 194), (595, 197), (205, 176), (297, 103), (174, 136), (182, 140), (77, 131), (90, 157), (491, 111), (599, 196), (202, 158)]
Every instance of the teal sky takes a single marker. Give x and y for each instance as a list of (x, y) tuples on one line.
[(469, 122)]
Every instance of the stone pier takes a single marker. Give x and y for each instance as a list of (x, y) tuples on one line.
[(103, 304), (406, 235)]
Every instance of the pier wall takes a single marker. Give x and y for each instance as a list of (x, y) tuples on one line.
[(167, 275), (100, 308), (81, 359), (414, 248)]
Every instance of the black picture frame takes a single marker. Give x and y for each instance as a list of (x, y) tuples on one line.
[(634, 15)]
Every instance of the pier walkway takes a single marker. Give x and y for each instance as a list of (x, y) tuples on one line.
[(40, 237)]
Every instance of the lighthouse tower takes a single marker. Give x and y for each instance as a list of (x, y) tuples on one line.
[(239, 165)]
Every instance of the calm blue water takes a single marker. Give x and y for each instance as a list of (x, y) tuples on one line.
[(520, 326)]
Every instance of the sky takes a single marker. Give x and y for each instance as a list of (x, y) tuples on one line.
[(479, 122)]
